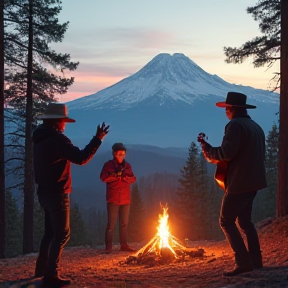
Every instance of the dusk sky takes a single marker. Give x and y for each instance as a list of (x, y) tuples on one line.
[(113, 39)]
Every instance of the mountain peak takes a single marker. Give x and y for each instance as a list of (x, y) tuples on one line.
[(170, 68), (165, 79)]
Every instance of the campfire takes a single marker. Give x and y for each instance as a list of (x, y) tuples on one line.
[(163, 247), (163, 242)]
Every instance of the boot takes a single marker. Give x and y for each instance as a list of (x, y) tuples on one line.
[(258, 265), (55, 281), (238, 270), (243, 265), (125, 247), (256, 260)]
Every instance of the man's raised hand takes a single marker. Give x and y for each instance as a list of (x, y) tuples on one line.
[(102, 131)]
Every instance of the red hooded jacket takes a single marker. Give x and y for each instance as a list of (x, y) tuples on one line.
[(118, 178)]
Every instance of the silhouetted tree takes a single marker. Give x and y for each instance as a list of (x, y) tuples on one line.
[(2, 153), (272, 159), (282, 190), (189, 195), (78, 228), (14, 226), (264, 50), (136, 217), (39, 220), (31, 26)]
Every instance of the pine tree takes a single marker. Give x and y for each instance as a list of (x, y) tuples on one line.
[(214, 204), (31, 26), (265, 202), (14, 150), (272, 156), (188, 196), (136, 217), (2, 153), (39, 225), (265, 50), (96, 226), (205, 204), (78, 228), (13, 224), (272, 159), (282, 189)]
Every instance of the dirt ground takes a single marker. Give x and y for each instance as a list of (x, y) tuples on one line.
[(89, 267)]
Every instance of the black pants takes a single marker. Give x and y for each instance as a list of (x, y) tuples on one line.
[(57, 231), (113, 211), (239, 206)]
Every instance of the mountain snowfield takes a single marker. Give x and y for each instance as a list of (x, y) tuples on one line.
[(166, 103)]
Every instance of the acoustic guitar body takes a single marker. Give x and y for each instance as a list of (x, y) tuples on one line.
[(221, 170), (220, 174)]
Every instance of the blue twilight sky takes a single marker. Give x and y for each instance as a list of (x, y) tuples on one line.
[(113, 39)]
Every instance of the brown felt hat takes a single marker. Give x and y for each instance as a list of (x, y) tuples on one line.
[(235, 99), (55, 111)]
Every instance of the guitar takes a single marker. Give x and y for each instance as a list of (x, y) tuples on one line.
[(221, 170)]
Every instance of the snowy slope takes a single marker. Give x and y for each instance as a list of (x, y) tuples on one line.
[(174, 77), (166, 103)]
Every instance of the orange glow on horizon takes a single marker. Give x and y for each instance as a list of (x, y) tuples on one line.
[(91, 84)]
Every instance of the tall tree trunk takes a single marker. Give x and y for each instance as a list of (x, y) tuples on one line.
[(282, 193), (2, 165), (28, 170)]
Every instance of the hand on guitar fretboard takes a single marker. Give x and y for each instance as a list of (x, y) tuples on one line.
[(202, 138)]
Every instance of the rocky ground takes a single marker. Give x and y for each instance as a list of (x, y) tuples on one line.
[(89, 267)]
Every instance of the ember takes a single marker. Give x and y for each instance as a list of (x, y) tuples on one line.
[(163, 247)]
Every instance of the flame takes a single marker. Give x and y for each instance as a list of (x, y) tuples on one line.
[(163, 238), (163, 229)]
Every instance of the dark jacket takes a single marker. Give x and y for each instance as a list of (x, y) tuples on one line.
[(243, 146), (117, 187), (53, 154)]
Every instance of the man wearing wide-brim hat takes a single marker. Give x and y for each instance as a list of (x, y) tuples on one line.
[(243, 152), (53, 155)]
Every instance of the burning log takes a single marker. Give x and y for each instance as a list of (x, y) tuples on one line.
[(196, 253), (166, 254), (163, 248)]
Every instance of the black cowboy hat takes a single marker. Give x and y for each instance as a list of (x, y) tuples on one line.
[(235, 99)]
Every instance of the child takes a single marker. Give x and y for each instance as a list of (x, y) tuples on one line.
[(118, 176)]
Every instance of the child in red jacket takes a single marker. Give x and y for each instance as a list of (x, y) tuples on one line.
[(118, 176)]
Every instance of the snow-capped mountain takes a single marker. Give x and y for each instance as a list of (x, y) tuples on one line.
[(166, 103)]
